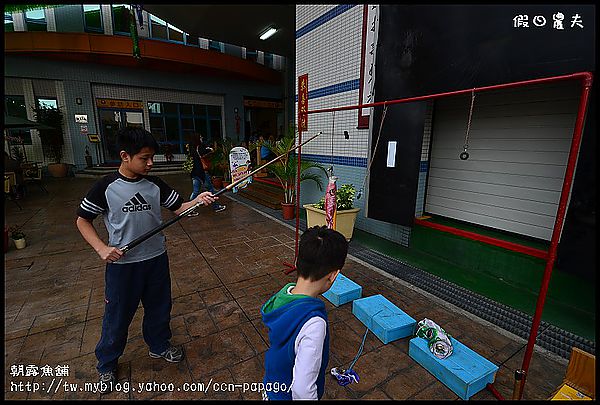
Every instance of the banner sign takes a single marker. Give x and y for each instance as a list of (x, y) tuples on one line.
[(263, 104), (81, 119), (303, 102), (239, 163), (367, 73), (110, 103)]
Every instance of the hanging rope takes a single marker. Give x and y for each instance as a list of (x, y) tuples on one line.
[(332, 132), (465, 155), (348, 376), (360, 192)]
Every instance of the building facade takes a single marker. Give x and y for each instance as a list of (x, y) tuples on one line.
[(79, 58)]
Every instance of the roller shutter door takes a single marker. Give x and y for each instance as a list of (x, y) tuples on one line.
[(518, 144)]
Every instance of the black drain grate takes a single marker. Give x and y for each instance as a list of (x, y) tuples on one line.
[(550, 337)]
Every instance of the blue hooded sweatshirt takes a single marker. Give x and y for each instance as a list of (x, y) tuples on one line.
[(284, 323)]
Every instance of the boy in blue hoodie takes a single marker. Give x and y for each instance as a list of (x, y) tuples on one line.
[(297, 321)]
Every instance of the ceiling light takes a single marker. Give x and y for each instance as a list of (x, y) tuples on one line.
[(268, 33)]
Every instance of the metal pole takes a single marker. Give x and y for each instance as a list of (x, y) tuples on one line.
[(558, 224), (292, 266), (518, 387), (298, 195), (454, 93), (182, 214)]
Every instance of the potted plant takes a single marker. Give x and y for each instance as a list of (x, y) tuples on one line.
[(285, 170), (346, 213), (52, 138), (18, 236), (219, 161)]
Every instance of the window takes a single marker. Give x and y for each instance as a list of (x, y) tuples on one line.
[(158, 28), (252, 55), (214, 111), (215, 45), (269, 60), (47, 103), (92, 18), (170, 108), (186, 109), (191, 40), (172, 129), (157, 127), (15, 107), (154, 108), (176, 123), (35, 20), (9, 26), (121, 18), (175, 34)]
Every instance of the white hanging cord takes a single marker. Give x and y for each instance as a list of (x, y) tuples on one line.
[(360, 192), (465, 155)]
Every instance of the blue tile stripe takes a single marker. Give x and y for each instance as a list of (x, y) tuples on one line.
[(334, 12), (333, 89), (351, 161), (337, 160)]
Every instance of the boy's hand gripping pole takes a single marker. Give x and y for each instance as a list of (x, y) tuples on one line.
[(184, 213)]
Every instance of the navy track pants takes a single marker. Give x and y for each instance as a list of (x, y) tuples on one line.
[(125, 285)]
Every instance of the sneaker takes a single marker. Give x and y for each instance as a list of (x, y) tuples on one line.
[(193, 214), (220, 208), (107, 381), (173, 354)]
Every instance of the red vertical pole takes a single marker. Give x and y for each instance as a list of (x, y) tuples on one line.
[(558, 224), (298, 195), (302, 125)]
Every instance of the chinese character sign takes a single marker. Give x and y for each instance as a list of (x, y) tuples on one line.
[(522, 21), (370, 28), (239, 163), (303, 102)]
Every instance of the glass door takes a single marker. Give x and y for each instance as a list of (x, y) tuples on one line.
[(111, 120), (110, 123)]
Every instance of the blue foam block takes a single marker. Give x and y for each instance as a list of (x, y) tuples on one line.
[(465, 372), (342, 290), (384, 319)]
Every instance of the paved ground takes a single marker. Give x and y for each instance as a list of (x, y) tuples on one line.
[(223, 267)]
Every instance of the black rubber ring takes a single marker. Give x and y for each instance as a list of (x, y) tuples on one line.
[(464, 156)]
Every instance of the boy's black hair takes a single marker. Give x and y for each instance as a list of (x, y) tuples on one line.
[(133, 139), (321, 251)]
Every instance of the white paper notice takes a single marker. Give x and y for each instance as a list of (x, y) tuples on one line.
[(391, 156)]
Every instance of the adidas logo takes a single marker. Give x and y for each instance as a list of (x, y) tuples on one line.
[(136, 203)]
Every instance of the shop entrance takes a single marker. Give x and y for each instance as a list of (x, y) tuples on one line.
[(111, 120), (263, 118)]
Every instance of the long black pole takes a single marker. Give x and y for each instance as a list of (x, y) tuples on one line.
[(184, 213)]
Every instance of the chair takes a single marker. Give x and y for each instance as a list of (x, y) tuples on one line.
[(10, 181), (32, 173), (260, 162), (580, 377)]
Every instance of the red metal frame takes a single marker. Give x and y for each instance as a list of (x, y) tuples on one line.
[(586, 78), (515, 247), (494, 391)]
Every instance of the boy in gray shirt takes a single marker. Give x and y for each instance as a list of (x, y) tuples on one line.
[(130, 201)]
